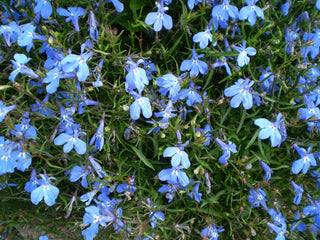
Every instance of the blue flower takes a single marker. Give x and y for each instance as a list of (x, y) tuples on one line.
[(194, 65), (94, 217), (191, 94), (24, 159), (276, 131), (285, 7), (93, 26), (211, 232), (136, 77), (46, 191), (240, 93), (192, 3), (310, 111), (98, 137), (127, 189), (305, 161), (299, 190), (72, 15), (53, 78), (10, 32), (227, 148), (251, 12), (266, 79), (8, 157), (281, 231), (278, 219), (318, 5), (298, 225), (203, 37), (19, 67), (312, 41), (267, 170), (291, 36), (178, 155), (258, 198), (97, 167), (44, 8), (194, 194), (154, 217), (166, 114), (140, 104), (77, 63), (243, 58), (206, 132), (4, 110), (218, 20), (117, 4), (174, 175), (78, 172), (24, 130), (170, 190), (222, 62), (313, 210), (26, 36), (32, 183), (159, 18), (225, 10), (71, 141), (43, 237), (171, 84)]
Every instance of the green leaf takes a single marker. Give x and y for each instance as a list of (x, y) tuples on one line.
[(142, 157), (2, 87)]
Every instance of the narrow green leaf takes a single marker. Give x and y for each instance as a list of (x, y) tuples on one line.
[(142, 157)]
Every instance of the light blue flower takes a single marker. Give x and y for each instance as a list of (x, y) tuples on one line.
[(136, 77), (45, 191), (72, 15), (98, 137), (240, 93), (24, 130), (227, 148), (10, 32), (178, 155), (211, 232), (225, 10), (77, 63), (243, 58), (194, 65), (19, 67), (258, 198), (71, 141), (307, 159), (44, 8), (32, 183), (93, 26), (117, 4), (171, 84), (159, 18), (78, 172), (276, 131), (174, 175), (298, 190), (251, 12), (203, 37), (267, 170), (192, 3), (4, 110), (140, 104)]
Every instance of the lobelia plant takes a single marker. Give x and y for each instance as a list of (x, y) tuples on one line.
[(125, 78)]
